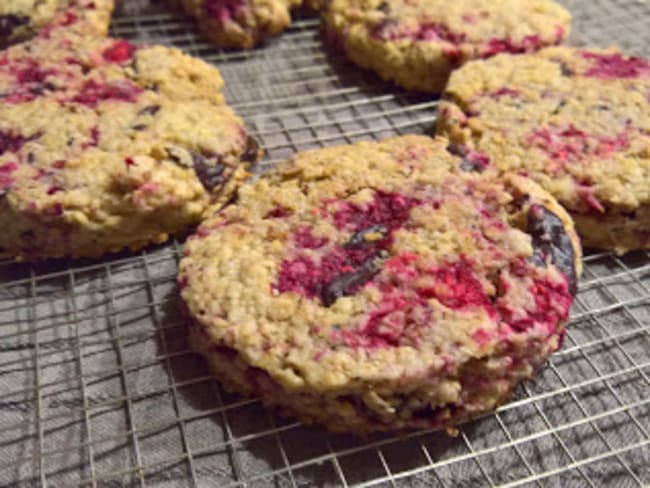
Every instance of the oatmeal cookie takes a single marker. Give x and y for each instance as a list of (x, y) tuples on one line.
[(577, 121), (106, 145), (381, 286)]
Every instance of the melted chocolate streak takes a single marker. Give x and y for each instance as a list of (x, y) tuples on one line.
[(9, 22), (347, 283), (552, 244)]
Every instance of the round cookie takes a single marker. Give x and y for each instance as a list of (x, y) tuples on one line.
[(106, 145), (418, 43), (576, 121), (242, 23), (22, 19), (380, 286)]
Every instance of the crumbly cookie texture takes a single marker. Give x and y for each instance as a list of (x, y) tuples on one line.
[(576, 121), (417, 43), (22, 19), (106, 145), (242, 23), (380, 286)]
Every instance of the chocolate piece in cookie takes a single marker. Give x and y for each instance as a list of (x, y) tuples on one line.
[(105, 145), (575, 121), (417, 43), (379, 286), (552, 244)]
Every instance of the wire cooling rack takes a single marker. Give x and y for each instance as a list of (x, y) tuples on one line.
[(98, 388)]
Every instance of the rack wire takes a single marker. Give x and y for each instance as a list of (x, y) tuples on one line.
[(98, 387)]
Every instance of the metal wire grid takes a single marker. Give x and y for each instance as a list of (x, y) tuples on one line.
[(98, 386)]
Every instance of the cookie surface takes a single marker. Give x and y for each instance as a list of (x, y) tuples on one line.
[(242, 23), (106, 145), (381, 286), (576, 121), (418, 43), (22, 19)]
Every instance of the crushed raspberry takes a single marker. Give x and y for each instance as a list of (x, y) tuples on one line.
[(482, 337), (93, 92), (94, 139), (456, 287), (11, 142), (573, 144), (390, 30), (129, 162), (304, 239), (611, 66), (54, 189), (439, 32), (59, 164), (310, 278), (396, 321), (301, 274), (552, 304), (588, 196), (69, 18), (223, 10), (505, 91), (404, 310), (388, 209), (32, 73), (8, 168), (495, 46), (119, 52), (277, 212)]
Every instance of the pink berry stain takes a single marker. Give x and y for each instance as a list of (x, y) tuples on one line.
[(120, 52), (308, 276), (11, 142), (573, 145), (390, 30), (615, 66), (92, 93)]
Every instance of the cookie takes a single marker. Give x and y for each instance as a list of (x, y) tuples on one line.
[(381, 286), (576, 121), (416, 44), (106, 145), (22, 19), (242, 23)]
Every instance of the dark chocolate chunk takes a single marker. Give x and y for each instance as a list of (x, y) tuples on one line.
[(9, 22), (251, 152), (457, 149), (384, 7), (139, 127), (209, 171), (358, 240), (348, 283), (471, 166), (602, 108), (566, 71), (149, 110), (472, 161), (4, 191), (552, 243)]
